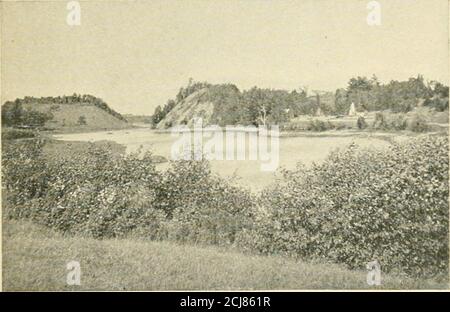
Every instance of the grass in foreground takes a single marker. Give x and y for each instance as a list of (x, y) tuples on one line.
[(35, 258)]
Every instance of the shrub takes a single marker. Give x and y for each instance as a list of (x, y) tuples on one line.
[(96, 194), (390, 121), (438, 103), (361, 123), (91, 193), (319, 125), (380, 121), (398, 122), (362, 205), (202, 207), (12, 134), (55, 107), (82, 121), (14, 115), (418, 123)]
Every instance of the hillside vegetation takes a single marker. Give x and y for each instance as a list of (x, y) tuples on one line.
[(196, 105), (67, 113), (225, 104), (356, 206)]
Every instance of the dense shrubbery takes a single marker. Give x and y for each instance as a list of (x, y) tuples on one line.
[(14, 115), (361, 205), (12, 134), (399, 121), (418, 123), (91, 193), (319, 125), (105, 196), (358, 205), (201, 206)]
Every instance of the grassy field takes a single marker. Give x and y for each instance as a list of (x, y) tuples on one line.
[(66, 117), (35, 258)]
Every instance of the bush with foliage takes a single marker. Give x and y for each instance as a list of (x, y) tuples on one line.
[(380, 121), (357, 206), (361, 123), (201, 206), (12, 134), (82, 121), (92, 193), (319, 125), (99, 195), (397, 122), (439, 104), (418, 123), (390, 121), (14, 115), (360, 205)]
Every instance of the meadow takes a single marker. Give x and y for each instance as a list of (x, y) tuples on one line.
[(35, 258)]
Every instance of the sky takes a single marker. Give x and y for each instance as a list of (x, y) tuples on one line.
[(136, 55)]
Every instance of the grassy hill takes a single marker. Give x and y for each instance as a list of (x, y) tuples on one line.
[(78, 117), (35, 258), (66, 113)]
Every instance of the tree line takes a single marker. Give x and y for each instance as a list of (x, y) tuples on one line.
[(397, 96), (259, 106)]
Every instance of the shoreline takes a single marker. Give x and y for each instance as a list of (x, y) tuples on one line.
[(282, 134)]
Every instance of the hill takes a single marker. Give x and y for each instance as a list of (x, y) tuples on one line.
[(35, 258), (78, 116), (75, 113), (225, 104), (197, 104)]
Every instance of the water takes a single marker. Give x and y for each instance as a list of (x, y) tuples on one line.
[(306, 149)]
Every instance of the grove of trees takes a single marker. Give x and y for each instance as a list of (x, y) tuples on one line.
[(14, 115), (260, 106)]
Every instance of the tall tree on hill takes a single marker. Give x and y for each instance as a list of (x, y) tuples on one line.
[(340, 100), (157, 115), (12, 113)]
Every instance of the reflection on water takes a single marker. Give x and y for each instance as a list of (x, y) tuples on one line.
[(307, 149)]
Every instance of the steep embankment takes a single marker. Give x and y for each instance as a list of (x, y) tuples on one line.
[(224, 104), (195, 105), (78, 116)]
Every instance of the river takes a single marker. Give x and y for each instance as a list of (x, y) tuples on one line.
[(306, 148)]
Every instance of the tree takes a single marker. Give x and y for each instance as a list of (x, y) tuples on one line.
[(340, 100), (157, 115), (361, 123), (82, 121), (34, 118)]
